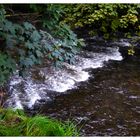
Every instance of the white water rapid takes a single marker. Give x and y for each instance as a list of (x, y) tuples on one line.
[(26, 92)]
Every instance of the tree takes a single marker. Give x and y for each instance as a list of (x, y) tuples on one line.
[(104, 19)]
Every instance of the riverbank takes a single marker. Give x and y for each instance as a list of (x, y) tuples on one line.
[(16, 123)]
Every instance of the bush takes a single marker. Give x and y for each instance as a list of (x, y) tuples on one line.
[(22, 43), (105, 19)]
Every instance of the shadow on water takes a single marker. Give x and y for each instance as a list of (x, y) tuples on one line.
[(108, 104)]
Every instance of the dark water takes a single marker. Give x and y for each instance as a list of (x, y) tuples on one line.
[(108, 104), (100, 93)]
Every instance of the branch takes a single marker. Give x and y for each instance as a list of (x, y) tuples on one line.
[(24, 14)]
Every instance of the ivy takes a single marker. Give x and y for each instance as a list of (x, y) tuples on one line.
[(23, 45), (7, 65)]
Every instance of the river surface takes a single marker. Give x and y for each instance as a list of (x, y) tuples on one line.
[(100, 92)]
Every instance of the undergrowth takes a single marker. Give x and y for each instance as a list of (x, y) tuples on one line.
[(16, 123)]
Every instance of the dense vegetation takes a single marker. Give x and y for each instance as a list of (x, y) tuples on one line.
[(105, 19), (23, 45), (16, 123)]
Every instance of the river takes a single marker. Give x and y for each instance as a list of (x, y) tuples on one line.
[(100, 92)]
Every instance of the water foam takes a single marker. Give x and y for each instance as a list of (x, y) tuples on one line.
[(26, 92), (63, 80)]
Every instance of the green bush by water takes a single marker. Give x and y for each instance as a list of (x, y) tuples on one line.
[(24, 44), (16, 123)]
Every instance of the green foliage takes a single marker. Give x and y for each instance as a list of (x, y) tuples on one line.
[(23, 45), (7, 65), (131, 51), (66, 44), (20, 45), (107, 19), (16, 123)]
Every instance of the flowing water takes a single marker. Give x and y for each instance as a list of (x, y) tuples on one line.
[(100, 92)]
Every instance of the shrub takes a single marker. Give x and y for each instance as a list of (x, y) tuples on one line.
[(22, 43), (105, 19)]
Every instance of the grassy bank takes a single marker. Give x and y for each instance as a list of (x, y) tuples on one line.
[(16, 123)]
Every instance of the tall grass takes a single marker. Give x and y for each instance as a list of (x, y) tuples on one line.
[(16, 123)]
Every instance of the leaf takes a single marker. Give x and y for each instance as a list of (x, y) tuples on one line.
[(9, 41), (28, 26), (49, 47), (115, 24), (8, 25), (81, 42), (29, 45), (62, 50), (39, 54), (35, 36), (19, 29), (55, 54), (28, 62), (61, 58), (50, 57)]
